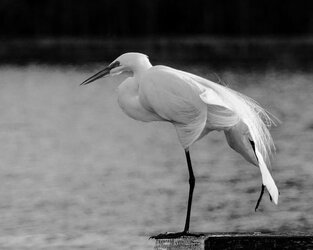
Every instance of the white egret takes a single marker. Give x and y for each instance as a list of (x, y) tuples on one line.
[(195, 106)]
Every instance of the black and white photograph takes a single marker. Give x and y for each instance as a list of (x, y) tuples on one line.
[(156, 125)]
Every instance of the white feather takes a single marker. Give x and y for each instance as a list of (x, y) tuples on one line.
[(254, 116), (209, 96), (267, 178), (248, 110)]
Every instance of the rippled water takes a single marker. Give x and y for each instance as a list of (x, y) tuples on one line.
[(78, 173)]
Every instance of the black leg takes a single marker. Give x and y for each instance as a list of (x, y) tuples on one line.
[(262, 188), (260, 198), (253, 146), (192, 182)]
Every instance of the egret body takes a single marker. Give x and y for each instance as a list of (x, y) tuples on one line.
[(195, 106)]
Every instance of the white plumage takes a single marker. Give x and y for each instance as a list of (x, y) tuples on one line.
[(195, 106)]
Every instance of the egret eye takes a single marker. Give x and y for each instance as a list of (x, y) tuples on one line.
[(114, 64)]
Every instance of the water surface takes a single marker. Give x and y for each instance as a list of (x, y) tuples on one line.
[(75, 172)]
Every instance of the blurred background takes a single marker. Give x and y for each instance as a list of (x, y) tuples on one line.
[(75, 172), (222, 33)]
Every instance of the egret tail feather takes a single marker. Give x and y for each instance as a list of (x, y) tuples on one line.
[(249, 111), (267, 179)]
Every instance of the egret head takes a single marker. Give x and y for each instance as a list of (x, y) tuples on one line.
[(128, 62)]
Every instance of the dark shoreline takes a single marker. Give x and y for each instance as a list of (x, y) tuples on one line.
[(282, 53)]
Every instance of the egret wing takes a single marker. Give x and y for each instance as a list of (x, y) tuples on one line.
[(210, 97), (250, 112), (254, 120), (219, 114), (173, 97)]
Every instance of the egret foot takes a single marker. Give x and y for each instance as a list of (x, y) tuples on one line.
[(168, 235)]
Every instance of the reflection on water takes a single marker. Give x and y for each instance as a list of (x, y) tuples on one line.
[(76, 172)]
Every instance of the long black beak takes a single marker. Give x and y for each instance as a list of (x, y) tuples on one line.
[(101, 73)]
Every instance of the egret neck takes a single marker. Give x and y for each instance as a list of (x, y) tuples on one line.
[(128, 93)]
